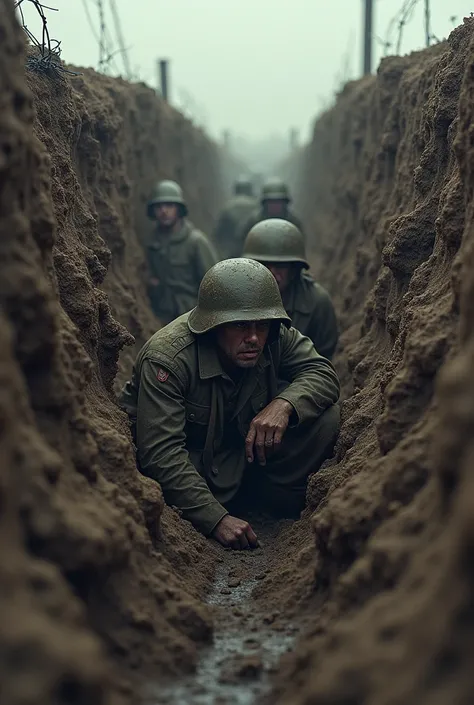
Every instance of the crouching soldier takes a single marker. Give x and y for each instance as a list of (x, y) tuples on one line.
[(280, 246), (211, 415)]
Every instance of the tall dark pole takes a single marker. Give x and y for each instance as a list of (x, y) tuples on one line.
[(163, 73), (368, 29)]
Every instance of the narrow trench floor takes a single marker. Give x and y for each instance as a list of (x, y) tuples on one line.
[(249, 637)]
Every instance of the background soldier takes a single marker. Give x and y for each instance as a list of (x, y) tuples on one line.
[(178, 254), (279, 245), (210, 417), (275, 202), (228, 231)]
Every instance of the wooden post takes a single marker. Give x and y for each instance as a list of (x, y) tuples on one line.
[(163, 78)]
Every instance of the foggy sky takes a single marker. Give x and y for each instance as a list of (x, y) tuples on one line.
[(256, 67)]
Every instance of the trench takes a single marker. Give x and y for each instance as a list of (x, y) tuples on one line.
[(249, 636)]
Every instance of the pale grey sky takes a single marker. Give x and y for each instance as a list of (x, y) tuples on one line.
[(256, 67)]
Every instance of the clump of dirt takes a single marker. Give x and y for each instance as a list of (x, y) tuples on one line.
[(389, 187), (96, 578)]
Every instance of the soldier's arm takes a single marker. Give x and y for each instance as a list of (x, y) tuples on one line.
[(206, 256), (314, 385), (323, 328), (162, 454)]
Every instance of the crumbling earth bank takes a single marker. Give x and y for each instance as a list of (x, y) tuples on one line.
[(389, 187), (109, 143), (94, 574)]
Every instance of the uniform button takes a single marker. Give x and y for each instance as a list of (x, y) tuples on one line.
[(214, 470), (192, 417), (261, 405)]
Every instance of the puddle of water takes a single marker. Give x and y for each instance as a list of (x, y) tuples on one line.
[(235, 669)]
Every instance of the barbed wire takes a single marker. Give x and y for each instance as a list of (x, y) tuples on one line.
[(394, 33), (100, 32), (48, 51)]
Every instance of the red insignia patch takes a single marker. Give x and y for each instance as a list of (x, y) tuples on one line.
[(162, 375)]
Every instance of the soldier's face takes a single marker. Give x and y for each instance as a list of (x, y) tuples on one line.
[(283, 273), (275, 209), (243, 343), (167, 214)]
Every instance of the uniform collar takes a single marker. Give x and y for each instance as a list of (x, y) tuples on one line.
[(209, 363)]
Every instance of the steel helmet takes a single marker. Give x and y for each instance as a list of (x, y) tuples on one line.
[(275, 189), (237, 290), (243, 185), (167, 192), (275, 240)]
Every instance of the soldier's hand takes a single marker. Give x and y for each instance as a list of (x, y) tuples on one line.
[(267, 429), (235, 533), (153, 281)]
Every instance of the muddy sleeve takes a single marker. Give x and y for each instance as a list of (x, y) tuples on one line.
[(323, 329), (206, 256), (161, 449), (314, 385)]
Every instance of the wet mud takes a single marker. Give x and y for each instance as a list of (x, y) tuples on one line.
[(249, 636)]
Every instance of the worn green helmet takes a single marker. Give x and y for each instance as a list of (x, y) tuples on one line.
[(275, 240), (237, 290), (243, 185), (275, 189), (167, 192)]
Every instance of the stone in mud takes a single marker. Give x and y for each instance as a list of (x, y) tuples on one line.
[(234, 582), (243, 668)]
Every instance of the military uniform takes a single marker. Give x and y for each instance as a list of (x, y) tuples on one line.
[(307, 303), (178, 260), (229, 228), (190, 419), (228, 231), (311, 311)]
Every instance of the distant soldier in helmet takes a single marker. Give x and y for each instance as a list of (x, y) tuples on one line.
[(228, 231), (178, 254), (213, 422), (280, 246), (275, 203)]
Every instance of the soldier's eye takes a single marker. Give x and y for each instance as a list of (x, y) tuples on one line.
[(263, 326)]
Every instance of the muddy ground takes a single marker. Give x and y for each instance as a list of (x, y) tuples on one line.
[(107, 597)]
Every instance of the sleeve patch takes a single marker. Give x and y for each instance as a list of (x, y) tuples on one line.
[(162, 375)]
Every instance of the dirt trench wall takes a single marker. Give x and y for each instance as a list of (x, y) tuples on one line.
[(110, 142), (92, 567), (387, 185)]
